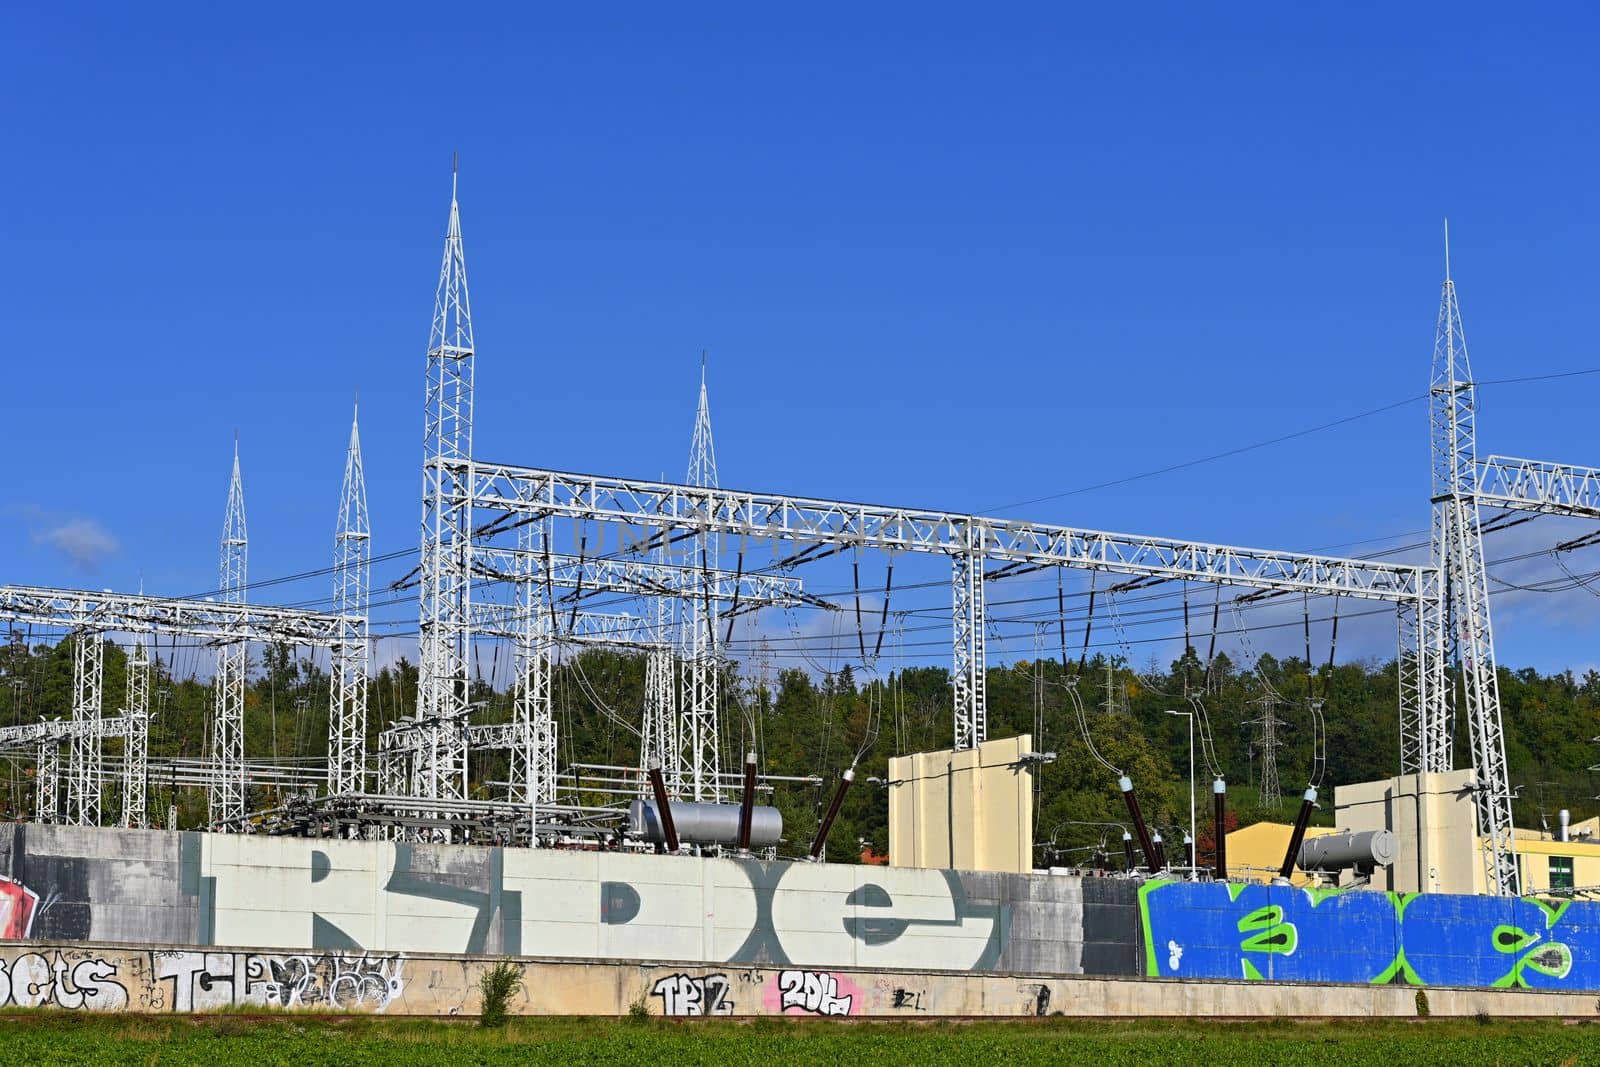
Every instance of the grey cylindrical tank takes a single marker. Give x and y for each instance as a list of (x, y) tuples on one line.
[(1335, 852), (706, 824)]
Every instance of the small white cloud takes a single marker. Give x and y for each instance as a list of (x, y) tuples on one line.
[(83, 541)]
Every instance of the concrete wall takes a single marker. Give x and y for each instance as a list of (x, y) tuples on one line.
[(350, 899), (148, 887), (172, 979)]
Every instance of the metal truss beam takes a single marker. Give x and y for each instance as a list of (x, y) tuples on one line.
[(639, 577), (638, 510), (1537, 486), (137, 613)]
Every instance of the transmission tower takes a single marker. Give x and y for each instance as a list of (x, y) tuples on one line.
[(700, 638), (352, 566), (225, 791), (1455, 628), (533, 757), (85, 765), (1267, 742), (446, 528), (136, 749)]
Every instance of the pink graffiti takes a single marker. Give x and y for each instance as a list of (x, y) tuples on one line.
[(812, 993), (18, 905)]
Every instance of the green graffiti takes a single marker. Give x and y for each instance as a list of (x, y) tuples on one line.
[(1268, 931), (1552, 958)]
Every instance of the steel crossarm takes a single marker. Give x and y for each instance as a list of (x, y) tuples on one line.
[(1534, 485), (61, 729), (640, 508), (496, 735), (614, 575), (138, 613), (504, 620)]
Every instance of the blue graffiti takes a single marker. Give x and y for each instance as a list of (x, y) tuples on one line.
[(1279, 933)]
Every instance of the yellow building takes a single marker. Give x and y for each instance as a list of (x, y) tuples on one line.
[(1255, 852), (1546, 863)]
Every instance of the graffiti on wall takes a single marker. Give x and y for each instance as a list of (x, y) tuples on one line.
[(812, 993), (72, 980), (1218, 930), (685, 994), (18, 905), (197, 981)]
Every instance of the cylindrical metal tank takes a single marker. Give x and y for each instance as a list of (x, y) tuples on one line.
[(1336, 852), (706, 824)]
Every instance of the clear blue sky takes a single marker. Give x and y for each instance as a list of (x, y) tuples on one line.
[(950, 256)]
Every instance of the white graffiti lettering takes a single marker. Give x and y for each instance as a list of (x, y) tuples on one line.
[(813, 991), (683, 994), (88, 983), (343, 981)]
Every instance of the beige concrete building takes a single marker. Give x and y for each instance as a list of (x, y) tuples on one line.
[(1434, 820), (970, 810)]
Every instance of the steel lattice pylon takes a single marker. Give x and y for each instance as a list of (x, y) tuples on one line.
[(969, 674), (533, 757), (1455, 626), (446, 528), (352, 563), (225, 791), (136, 749), (701, 765), (84, 768)]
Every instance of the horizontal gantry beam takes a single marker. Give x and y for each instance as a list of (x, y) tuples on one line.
[(62, 729), (640, 577), (137, 613), (560, 626), (639, 510), (1534, 485)]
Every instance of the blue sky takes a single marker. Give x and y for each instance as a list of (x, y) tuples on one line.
[(949, 256)]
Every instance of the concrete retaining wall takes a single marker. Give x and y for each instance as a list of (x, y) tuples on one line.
[(126, 978), (354, 898)]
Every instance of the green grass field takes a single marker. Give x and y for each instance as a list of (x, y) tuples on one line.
[(225, 1040)]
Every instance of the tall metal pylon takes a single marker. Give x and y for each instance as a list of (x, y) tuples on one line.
[(1268, 743), (533, 757), (136, 748), (225, 791), (701, 651), (1456, 629), (446, 528), (352, 577), (86, 759)]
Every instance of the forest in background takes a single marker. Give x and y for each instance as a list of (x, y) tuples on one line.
[(801, 723)]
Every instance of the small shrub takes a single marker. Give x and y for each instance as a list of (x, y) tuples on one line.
[(497, 986), (639, 1010), (1484, 1018), (1422, 1003)]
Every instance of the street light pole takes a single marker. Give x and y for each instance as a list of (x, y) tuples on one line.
[(1192, 836)]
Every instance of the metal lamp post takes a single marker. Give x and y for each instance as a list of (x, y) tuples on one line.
[(1190, 716)]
